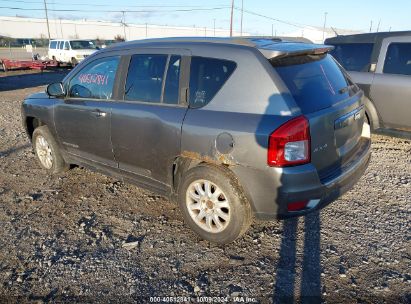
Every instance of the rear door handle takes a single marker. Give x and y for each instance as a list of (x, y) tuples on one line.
[(99, 113)]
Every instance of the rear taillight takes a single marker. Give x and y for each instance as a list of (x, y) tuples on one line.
[(297, 206), (290, 144)]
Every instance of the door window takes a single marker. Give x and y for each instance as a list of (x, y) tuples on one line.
[(171, 87), (398, 59), (96, 80), (66, 45), (353, 56), (207, 76), (145, 78)]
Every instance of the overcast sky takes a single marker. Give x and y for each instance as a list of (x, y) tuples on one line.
[(289, 15)]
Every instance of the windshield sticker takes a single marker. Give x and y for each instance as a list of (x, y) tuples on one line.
[(98, 79)]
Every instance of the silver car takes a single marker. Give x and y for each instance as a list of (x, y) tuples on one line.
[(229, 128), (380, 64)]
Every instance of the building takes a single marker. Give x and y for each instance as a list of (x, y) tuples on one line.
[(317, 35), (35, 28)]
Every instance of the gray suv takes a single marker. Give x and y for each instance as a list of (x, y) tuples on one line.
[(380, 64), (230, 128)]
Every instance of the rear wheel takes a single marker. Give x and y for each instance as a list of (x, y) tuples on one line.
[(73, 62), (213, 204), (3, 66), (47, 151)]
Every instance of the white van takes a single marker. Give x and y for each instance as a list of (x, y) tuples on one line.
[(70, 51)]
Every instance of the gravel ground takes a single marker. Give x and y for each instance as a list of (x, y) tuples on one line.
[(81, 236)]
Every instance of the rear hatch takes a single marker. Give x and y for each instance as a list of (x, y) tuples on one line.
[(331, 103)]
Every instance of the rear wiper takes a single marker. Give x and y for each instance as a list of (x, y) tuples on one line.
[(345, 89)]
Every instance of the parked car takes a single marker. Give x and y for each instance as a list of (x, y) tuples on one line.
[(380, 63), (230, 128), (71, 51)]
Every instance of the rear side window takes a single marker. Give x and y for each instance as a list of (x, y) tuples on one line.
[(145, 78), (315, 81), (353, 56), (207, 76), (398, 59), (171, 87), (96, 80), (53, 44)]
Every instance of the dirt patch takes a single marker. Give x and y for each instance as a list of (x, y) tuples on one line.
[(81, 236)]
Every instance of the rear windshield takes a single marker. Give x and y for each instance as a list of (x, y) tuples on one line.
[(353, 56), (315, 81)]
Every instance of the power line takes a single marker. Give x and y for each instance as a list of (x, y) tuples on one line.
[(271, 18), (116, 11), (105, 5)]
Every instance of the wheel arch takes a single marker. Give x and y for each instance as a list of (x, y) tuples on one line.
[(184, 162), (31, 124), (372, 114)]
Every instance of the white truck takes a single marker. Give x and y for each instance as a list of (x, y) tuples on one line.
[(70, 51)]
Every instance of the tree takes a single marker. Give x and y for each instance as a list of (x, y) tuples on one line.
[(119, 38)]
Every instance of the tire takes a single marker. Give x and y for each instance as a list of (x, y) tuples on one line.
[(47, 151), (225, 217), (73, 62), (3, 66)]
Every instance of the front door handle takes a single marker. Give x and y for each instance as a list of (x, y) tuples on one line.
[(99, 113)]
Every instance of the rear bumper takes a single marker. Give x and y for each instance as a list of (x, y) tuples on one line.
[(272, 190)]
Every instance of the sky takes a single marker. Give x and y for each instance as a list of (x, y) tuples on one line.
[(259, 17)]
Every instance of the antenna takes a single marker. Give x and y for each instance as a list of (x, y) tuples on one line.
[(335, 32)]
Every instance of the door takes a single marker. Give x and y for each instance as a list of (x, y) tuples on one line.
[(82, 119), (60, 51), (146, 125), (391, 88), (65, 53)]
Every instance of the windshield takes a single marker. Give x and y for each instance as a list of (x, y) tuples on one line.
[(82, 44), (315, 81)]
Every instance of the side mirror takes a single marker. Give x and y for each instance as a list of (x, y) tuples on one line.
[(55, 89)]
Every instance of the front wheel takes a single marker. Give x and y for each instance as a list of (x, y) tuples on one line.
[(213, 205), (47, 151)]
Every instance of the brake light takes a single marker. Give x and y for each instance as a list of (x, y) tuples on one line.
[(290, 144), (297, 206)]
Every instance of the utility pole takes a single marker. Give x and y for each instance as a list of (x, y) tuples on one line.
[(214, 26), (47, 19), (371, 26), (231, 19), (61, 29), (272, 30), (146, 30), (242, 12), (124, 25), (325, 22)]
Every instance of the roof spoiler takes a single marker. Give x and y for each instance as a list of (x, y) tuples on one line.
[(281, 50)]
